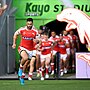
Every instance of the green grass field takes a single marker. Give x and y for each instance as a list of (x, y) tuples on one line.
[(45, 85)]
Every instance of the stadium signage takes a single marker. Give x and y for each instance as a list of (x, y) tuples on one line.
[(85, 8), (32, 9), (36, 10)]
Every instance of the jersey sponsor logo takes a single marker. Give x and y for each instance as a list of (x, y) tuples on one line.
[(47, 47), (61, 46), (27, 38)]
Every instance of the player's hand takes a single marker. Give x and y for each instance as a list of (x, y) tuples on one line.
[(14, 46)]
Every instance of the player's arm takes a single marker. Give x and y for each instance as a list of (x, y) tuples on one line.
[(67, 44), (37, 37), (15, 38), (53, 44)]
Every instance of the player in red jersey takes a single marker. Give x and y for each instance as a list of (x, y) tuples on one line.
[(67, 39), (28, 34), (62, 44), (38, 53), (74, 46), (46, 47), (54, 38)]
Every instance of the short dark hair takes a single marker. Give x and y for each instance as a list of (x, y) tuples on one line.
[(53, 31), (45, 33), (29, 19)]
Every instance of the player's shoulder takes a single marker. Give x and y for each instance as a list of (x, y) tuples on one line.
[(75, 36), (50, 40), (34, 29), (50, 37), (57, 36), (22, 28), (69, 36)]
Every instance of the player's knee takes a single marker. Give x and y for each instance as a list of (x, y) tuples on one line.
[(25, 58)]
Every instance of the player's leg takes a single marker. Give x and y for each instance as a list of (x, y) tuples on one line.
[(68, 58), (47, 64), (31, 67), (24, 56), (38, 64), (73, 59), (42, 59), (65, 63), (61, 65), (52, 62), (25, 66)]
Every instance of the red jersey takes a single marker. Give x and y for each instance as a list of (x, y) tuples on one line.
[(27, 37), (56, 38), (46, 45), (62, 47), (67, 39), (74, 40)]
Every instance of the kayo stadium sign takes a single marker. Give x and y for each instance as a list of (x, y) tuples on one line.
[(37, 10), (46, 8)]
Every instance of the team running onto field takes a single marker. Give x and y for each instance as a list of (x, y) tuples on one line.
[(37, 46)]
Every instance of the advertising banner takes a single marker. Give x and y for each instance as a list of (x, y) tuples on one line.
[(43, 12), (82, 65), (47, 9)]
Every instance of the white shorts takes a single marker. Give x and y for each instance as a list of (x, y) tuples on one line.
[(45, 57), (38, 52), (30, 53), (63, 57)]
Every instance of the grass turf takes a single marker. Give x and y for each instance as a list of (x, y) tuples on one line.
[(45, 85)]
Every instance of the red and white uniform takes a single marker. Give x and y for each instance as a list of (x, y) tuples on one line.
[(67, 39), (40, 38), (27, 37), (62, 49), (46, 53), (74, 40), (55, 49)]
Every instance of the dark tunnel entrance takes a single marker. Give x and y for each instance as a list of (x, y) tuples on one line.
[(58, 27)]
